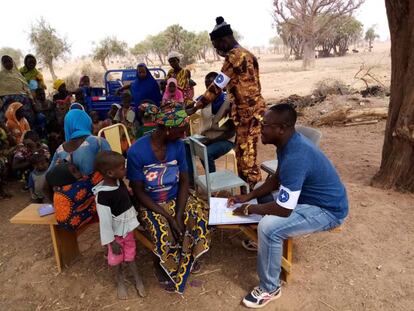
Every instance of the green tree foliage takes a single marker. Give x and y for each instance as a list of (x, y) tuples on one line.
[(47, 43), (107, 48), (142, 51), (337, 38), (16, 54), (159, 46), (190, 44), (292, 38), (370, 36)]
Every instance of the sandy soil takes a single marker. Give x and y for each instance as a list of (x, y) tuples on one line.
[(367, 266)]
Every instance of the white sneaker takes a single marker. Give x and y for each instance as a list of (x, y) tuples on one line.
[(258, 297)]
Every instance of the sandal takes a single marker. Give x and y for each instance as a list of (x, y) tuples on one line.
[(249, 245)]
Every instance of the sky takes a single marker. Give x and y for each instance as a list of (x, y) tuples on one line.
[(83, 22)]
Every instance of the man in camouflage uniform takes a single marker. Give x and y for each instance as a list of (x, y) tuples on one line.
[(240, 76)]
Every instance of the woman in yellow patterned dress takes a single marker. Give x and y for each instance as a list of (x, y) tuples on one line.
[(175, 219)]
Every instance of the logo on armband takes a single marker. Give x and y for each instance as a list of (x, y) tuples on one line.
[(220, 79), (283, 196)]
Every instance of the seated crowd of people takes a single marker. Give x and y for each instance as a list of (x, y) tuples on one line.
[(52, 145)]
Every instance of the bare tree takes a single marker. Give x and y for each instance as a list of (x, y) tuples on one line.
[(397, 164), (48, 45), (312, 17)]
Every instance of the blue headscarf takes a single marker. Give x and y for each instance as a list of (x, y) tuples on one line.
[(147, 88), (77, 124)]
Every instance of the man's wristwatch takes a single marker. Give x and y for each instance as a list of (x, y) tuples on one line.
[(246, 210)]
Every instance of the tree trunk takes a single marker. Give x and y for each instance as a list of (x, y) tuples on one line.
[(104, 64), (308, 54), (397, 164), (51, 69)]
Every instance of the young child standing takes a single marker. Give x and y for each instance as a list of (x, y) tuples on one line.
[(37, 177), (117, 218)]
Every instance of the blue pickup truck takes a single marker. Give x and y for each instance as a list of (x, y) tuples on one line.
[(101, 99)]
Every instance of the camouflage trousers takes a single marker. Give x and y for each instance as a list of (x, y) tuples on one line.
[(247, 137)]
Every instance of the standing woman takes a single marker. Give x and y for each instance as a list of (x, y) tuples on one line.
[(182, 76), (14, 88), (30, 72)]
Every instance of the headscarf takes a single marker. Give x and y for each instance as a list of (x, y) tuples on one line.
[(58, 83), (17, 127), (77, 123), (82, 81), (175, 117), (174, 54), (12, 82), (147, 88), (177, 97)]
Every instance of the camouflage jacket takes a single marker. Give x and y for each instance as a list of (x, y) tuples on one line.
[(240, 76)]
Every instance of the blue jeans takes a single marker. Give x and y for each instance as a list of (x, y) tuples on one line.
[(214, 151), (272, 230)]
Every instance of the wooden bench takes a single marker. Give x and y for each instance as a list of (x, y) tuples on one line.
[(251, 232), (65, 243)]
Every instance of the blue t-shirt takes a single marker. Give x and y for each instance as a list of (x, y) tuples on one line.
[(304, 171), (160, 178), (83, 157)]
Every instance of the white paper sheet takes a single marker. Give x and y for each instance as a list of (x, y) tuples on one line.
[(220, 214)]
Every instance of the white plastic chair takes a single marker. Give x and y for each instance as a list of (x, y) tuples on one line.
[(312, 134), (212, 182)]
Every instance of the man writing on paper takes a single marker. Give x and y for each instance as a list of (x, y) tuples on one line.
[(311, 198), (240, 76)]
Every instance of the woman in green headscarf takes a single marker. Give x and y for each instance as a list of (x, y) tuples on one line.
[(176, 220), (30, 72)]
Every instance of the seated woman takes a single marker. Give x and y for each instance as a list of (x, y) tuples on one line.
[(176, 221), (31, 73), (75, 203), (172, 94), (14, 88), (16, 122), (143, 87)]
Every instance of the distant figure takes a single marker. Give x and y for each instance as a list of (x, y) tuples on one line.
[(172, 93), (16, 122), (143, 87), (31, 73), (62, 93), (182, 76), (14, 88)]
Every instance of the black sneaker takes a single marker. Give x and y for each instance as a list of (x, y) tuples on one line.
[(258, 297)]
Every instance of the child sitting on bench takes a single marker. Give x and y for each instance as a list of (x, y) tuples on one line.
[(117, 218)]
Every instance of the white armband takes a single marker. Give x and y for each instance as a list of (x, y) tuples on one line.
[(221, 80), (287, 198)]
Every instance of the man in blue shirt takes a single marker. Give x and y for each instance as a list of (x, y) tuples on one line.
[(311, 198), (218, 139)]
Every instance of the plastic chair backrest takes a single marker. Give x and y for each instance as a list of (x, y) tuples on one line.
[(199, 150), (113, 136), (312, 134)]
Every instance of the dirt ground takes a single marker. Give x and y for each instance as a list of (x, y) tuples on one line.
[(367, 266)]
